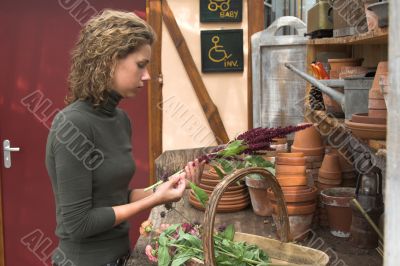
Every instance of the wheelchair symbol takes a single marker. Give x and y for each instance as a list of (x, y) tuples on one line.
[(217, 53), (222, 5)]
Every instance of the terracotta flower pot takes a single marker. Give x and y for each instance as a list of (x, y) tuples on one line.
[(379, 113), (328, 181), (322, 186), (337, 202), (381, 72), (308, 138), (329, 175), (292, 180), (367, 131), (318, 151), (291, 195), (283, 169), (353, 71), (377, 104), (364, 118), (291, 161), (330, 164), (337, 64), (258, 195), (301, 208)]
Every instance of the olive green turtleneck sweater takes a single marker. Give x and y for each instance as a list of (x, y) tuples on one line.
[(88, 157)]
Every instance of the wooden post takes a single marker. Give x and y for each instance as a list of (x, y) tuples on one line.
[(255, 17), (154, 17), (392, 196)]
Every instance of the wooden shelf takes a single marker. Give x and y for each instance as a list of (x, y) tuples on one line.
[(378, 36)]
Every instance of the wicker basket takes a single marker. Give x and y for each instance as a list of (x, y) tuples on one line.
[(281, 253)]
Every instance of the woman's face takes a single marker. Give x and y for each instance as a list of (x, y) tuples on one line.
[(131, 72)]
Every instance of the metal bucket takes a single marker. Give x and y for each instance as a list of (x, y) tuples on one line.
[(278, 95)]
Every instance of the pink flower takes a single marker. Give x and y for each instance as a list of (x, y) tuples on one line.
[(151, 253)]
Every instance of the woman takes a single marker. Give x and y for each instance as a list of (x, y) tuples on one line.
[(88, 153)]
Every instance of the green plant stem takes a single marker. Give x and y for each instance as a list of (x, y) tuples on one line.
[(153, 186)]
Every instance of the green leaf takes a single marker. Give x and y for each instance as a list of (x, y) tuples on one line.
[(258, 161), (200, 194), (163, 256), (193, 240), (233, 148), (180, 260), (229, 232), (226, 165), (219, 172)]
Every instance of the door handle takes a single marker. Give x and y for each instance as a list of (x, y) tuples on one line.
[(7, 149)]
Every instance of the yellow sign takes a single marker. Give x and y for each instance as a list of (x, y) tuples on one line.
[(221, 10), (217, 53)]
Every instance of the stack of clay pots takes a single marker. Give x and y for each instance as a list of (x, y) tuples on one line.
[(235, 198), (376, 102), (330, 176), (309, 142), (349, 174), (300, 199), (372, 125)]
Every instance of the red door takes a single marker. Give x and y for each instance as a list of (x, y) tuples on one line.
[(36, 39)]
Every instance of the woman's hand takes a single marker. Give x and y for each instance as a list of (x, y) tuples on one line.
[(194, 171), (172, 190)]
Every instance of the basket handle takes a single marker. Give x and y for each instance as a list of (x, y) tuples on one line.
[(209, 215)]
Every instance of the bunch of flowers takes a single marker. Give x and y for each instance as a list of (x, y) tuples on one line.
[(179, 243), (252, 142)]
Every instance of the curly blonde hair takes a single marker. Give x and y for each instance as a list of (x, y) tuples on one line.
[(105, 38)]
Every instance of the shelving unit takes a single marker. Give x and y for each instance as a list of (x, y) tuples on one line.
[(372, 46), (378, 36)]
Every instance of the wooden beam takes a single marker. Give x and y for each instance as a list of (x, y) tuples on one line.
[(209, 108), (255, 17), (392, 214), (154, 17)]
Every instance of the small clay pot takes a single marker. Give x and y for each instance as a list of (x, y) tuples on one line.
[(381, 72), (258, 195), (367, 131), (328, 181), (317, 151), (308, 138), (337, 64), (292, 161), (377, 104), (292, 180), (329, 175), (353, 71), (290, 154), (364, 118), (291, 196), (283, 169), (379, 113), (337, 203), (330, 164), (301, 208), (322, 186)]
